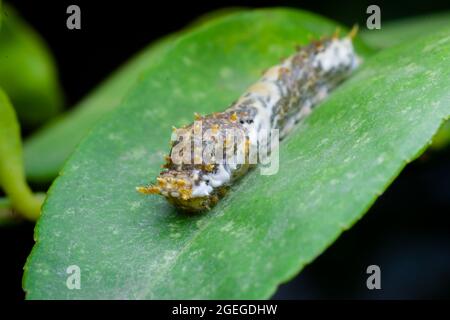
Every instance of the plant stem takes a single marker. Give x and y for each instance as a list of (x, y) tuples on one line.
[(12, 177)]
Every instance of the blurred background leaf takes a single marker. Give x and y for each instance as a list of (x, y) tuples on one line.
[(27, 71), (442, 138)]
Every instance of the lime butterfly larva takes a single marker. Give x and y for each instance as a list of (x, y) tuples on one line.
[(284, 95)]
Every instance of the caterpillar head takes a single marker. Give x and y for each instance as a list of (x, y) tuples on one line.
[(184, 189), (197, 172)]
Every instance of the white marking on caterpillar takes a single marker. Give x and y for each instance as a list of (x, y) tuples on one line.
[(202, 166)]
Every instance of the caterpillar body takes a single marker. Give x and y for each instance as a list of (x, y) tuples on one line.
[(284, 95)]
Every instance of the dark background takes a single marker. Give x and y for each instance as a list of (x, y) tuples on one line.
[(406, 232)]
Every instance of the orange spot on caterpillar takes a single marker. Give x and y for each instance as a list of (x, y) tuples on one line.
[(149, 190), (215, 128), (336, 33), (208, 167), (352, 34), (283, 71)]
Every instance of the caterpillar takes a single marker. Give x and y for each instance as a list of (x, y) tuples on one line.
[(284, 95)]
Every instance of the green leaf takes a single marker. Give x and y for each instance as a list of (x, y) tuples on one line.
[(27, 71), (407, 29), (12, 177), (1, 14), (332, 168), (48, 149)]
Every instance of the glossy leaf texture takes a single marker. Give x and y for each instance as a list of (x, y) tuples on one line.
[(332, 168)]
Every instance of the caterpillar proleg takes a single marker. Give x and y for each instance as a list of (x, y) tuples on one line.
[(284, 95)]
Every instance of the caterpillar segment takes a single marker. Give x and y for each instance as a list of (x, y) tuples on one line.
[(285, 94)]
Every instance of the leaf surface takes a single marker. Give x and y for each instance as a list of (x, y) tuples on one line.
[(332, 168)]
